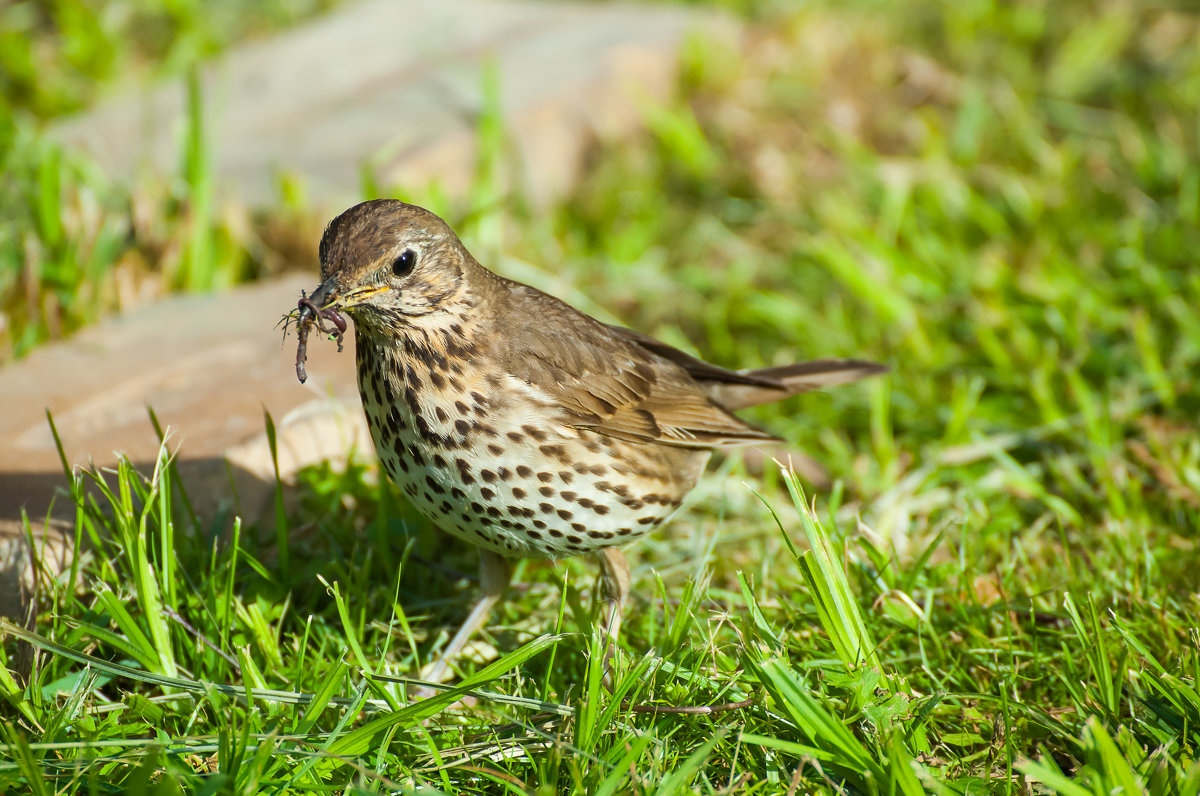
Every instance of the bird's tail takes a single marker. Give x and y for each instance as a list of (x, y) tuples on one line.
[(791, 379)]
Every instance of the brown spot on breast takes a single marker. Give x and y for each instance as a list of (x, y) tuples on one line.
[(494, 449), (423, 427), (547, 491), (518, 492), (462, 426), (462, 408), (536, 433), (515, 437), (524, 472)]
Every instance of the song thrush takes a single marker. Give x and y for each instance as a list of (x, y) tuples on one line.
[(514, 421)]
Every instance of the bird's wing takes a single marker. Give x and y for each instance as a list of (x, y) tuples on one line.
[(621, 383)]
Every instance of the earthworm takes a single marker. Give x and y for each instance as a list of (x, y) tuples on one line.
[(310, 313)]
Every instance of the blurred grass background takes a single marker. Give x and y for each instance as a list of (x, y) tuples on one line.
[(1001, 200)]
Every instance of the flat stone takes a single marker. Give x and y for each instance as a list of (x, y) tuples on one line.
[(399, 87), (209, 366)]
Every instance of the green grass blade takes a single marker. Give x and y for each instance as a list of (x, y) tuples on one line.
[(836, 604)]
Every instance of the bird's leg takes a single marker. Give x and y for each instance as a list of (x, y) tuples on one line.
[(614, 588), (494, 576)]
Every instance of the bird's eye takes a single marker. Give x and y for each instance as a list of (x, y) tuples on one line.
[(403, 265)]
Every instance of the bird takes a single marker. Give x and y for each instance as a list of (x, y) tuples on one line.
[(515, 422)]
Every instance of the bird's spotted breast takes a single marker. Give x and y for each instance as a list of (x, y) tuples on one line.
[(470, 455)]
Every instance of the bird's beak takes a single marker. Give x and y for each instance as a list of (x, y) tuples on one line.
[(329, 295), (360, 295)]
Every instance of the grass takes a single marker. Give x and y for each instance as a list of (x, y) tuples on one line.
[(987, 584)]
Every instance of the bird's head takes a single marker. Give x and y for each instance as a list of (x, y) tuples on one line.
[(391, 265)]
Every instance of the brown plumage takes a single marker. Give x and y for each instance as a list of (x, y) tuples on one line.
[(513, 420)]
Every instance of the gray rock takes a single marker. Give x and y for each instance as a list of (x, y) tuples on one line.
[(399, 87)]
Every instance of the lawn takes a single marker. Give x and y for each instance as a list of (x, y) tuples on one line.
[(974, 575)]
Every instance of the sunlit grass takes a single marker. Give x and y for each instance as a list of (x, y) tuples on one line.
[(988, 585)]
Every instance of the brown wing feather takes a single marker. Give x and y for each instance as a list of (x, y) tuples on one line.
[(610, 381)]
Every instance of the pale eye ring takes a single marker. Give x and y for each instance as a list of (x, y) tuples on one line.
[(405, 263)]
